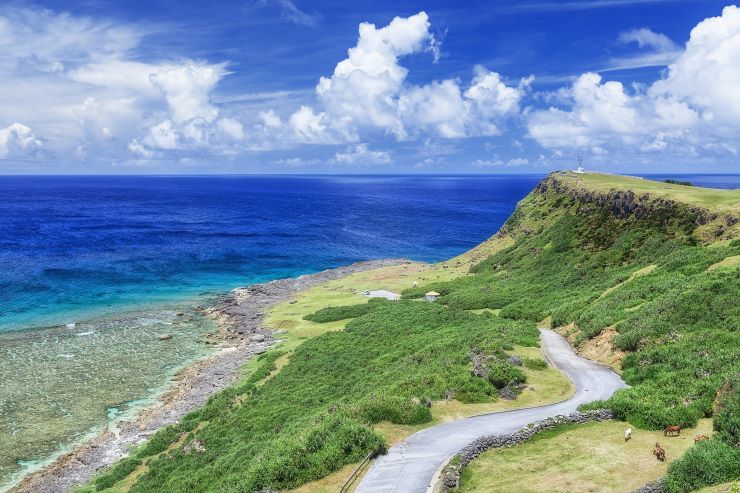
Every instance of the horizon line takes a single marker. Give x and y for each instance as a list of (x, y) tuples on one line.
[(531, 173)]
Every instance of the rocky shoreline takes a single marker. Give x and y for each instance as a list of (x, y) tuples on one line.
[(240, 316)]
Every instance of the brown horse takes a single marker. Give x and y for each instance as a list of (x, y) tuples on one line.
[(672, 431), (700, 438), (659, 452)]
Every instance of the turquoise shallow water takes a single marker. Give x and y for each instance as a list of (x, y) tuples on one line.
[(60, 384)]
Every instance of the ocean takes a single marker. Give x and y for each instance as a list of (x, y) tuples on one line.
[(94, 268)]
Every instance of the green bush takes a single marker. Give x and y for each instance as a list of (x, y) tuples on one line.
[(159, 442), (502, 374), (534, 363), (706, 463), (122, 469), (727, 417), (398, 410), (334, 313), (679, 182)]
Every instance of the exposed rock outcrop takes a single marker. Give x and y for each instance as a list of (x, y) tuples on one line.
[(624, 204)]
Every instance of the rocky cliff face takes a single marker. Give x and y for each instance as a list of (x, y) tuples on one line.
[(624, 204)]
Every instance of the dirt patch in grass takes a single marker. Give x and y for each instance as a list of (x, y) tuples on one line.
[(726, 263), (331, 483), (600, 348), (641, 272), (590, 458)]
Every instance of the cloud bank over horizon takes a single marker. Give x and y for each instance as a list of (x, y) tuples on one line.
[(78, 89)]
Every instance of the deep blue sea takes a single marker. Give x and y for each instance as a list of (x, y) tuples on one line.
[(74, 246)]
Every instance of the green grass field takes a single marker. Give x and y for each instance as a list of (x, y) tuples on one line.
[(712, 198), (589, 458)]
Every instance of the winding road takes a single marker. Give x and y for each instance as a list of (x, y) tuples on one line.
[(410, 466)]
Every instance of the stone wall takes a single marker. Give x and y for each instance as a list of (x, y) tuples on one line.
[(450, 476), (657, 486)]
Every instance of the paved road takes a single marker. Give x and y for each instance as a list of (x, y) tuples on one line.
[(410, 466)]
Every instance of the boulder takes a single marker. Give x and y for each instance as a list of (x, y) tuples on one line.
[(507, 393), (514, 360)]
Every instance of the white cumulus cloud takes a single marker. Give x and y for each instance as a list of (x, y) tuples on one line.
[(17, 140), (193, 121), (361, 154), (76, 81), (707, 75), (368, 92), (647, 38), (695, 106)]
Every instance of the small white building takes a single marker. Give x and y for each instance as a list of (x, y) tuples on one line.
[(431, 296), (381, 293), (580, 170)]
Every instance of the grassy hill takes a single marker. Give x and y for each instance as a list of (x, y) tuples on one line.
[(652, 265)]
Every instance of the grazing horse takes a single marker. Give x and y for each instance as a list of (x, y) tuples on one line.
[(628, 434), (700, 438), (674, 430), (659, 452)]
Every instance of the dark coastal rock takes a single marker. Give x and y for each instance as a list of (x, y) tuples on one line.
[(514, 360), (480, 363), (508, 393), (194, 446), (450, 475), (657, 486)]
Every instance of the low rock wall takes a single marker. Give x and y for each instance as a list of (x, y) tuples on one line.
[(450, 477), (657, 486)]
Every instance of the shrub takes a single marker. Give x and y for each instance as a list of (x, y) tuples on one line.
[(502, 374), (334, 313), (271, 437), (727, 417), (679, 182), (534, 363), (122, 469), (706, 463), (398, 410), (159, 442)]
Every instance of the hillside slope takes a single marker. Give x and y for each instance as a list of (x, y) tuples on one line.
[(653, 264), (577, 247)]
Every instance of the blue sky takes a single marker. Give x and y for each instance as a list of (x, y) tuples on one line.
[(268, 86)]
